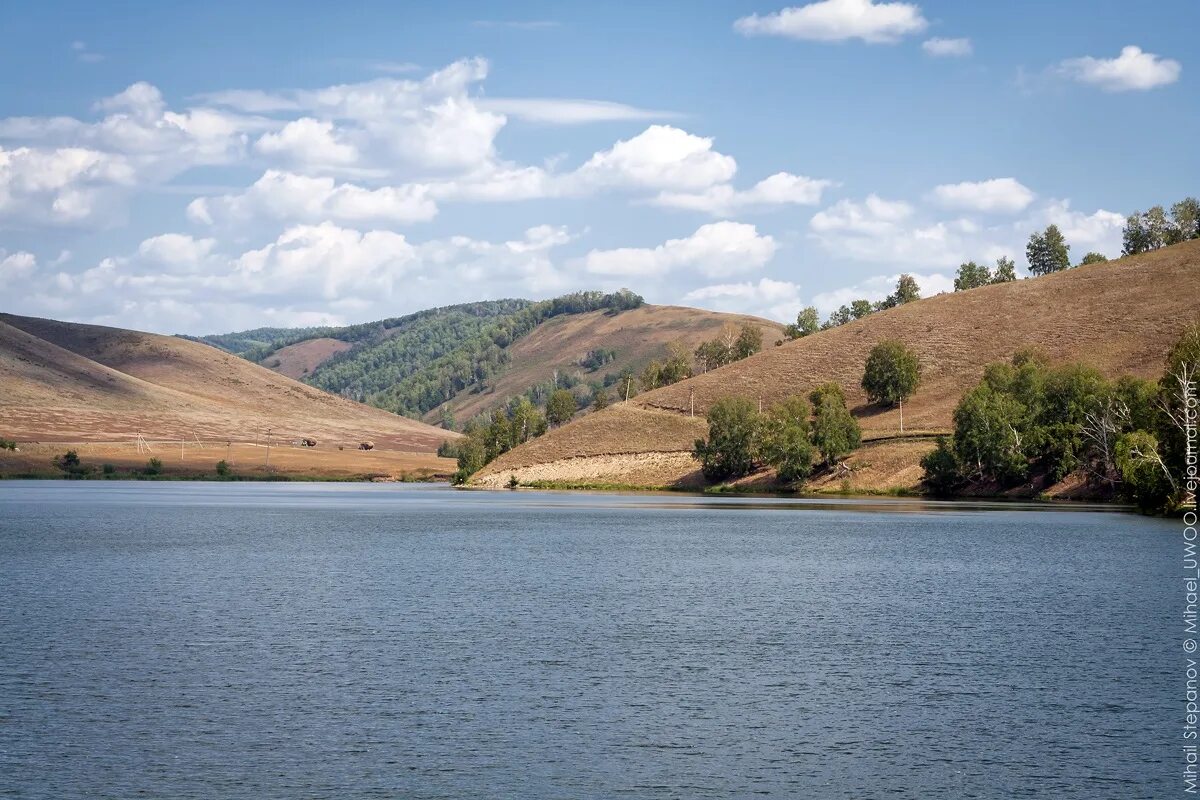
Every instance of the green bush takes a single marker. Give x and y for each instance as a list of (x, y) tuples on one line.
[(941, 468), (835, 431), (785, 443), (153, 467), (733, 429), (223, 469)]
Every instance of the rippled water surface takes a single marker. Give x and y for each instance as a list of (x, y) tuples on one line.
[(348, 641)]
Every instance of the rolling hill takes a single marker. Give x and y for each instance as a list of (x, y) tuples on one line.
[(1120, 317), (66, 382), (467, 360)]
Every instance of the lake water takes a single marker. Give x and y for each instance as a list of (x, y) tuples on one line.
[(352, 641)]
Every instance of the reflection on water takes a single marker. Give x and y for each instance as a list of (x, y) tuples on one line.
[(353, 641)]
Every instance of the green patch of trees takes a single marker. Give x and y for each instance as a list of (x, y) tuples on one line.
[(488, 438), (1027, 419), (1048, 252), (1153, 229), (731, 344), (788, 437), (907, 291), (972, 276)]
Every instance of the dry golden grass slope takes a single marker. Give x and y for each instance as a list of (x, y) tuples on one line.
[(300, 359), (1120, 317), (638, 336), (67, 382)]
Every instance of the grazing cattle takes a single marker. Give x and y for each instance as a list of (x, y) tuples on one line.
[(308, 442), (367, 446)]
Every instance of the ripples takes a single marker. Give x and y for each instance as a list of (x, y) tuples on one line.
[(361, 642)]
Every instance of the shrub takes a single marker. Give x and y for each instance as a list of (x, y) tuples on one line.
[(223, 469), (153, 467), (108, 469)]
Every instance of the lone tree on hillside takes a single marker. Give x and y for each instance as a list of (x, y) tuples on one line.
[(892, 374), (972, 276), (1092, 258), (1048, 252), (807, 322), (1005, 271), (749, 341), (907, 290), (560, 407)]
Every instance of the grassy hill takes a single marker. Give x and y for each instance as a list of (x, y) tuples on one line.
[(468, 359), (1120, 317), (65, 382)]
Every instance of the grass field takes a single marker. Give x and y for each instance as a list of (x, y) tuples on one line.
[(68, 383), (245, 459)]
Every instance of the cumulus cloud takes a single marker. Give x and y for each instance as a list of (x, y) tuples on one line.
[(660, 157), (308, 274), (778, 300), (176, 250), (947, 48), (838, 20), (716, 249), (281, 195), (1006, 195), (782, 188), (307, 141), (889, 231), (1100, 230), (60, 186), (1132, 70), (16, 266)]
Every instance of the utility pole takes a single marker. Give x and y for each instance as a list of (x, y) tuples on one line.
[(268, 463), (902, 415), (692, 401)]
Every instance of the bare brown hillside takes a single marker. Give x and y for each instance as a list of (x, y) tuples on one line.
[(300, 359), (638, 336), (1120, 317), (68, 382)]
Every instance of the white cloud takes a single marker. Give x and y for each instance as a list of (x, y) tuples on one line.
[(60, 186), (778, 300), (1133, 70), (309, 274), (782, 188), (288, 196), (307, 141), (1100, 230), (558, 111), (838, 20), (888, 231), (874, 215), (947, 48), (16, 266), (715, 249), (660, 157), (1005, 195), (176, 250)]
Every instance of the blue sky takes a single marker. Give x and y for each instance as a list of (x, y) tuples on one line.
[(213, 167)]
